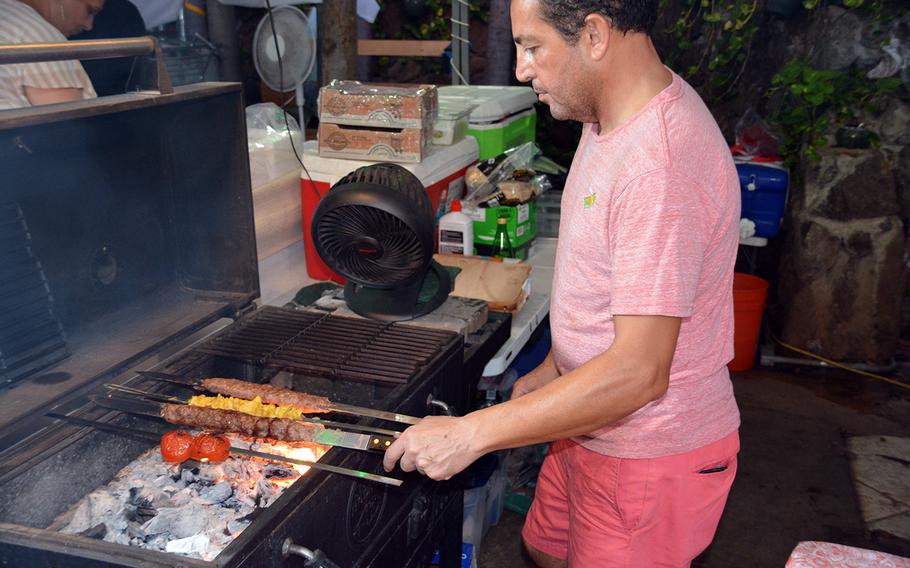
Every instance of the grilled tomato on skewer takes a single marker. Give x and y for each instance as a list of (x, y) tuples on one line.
[(177, 445), (211, 448)]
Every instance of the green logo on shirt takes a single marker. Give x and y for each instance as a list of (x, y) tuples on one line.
[(589, 200)]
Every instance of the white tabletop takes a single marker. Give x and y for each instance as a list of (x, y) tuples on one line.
[(543, 254)]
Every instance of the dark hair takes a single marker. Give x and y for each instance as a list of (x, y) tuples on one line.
[(568, 16)]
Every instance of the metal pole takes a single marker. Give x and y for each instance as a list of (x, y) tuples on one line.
[(222, 24), (461, 52), (84, 49), (466, 34), (90, 49)]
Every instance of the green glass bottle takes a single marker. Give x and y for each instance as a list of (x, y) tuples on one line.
[(502, 246)]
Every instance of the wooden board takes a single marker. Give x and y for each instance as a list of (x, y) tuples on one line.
[(402, 47)]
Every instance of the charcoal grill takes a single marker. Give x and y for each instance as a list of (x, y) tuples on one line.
[(130, 223)]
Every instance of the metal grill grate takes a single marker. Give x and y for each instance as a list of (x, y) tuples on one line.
[(332, 346), (31, 337)]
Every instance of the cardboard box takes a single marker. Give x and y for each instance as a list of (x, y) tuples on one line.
[(381, 145), (521, 228), (384, 106), (277, 213), (502, 285)]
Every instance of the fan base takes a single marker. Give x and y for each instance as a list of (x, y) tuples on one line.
[(403, 302)]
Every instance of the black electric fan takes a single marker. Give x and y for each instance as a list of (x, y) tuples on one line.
[(376, 228)]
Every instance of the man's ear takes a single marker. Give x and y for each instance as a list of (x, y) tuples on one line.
[(596, 34)]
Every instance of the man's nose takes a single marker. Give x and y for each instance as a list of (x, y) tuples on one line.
[(522, 69)]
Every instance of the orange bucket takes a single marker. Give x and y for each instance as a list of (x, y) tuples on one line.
[(749, 295)]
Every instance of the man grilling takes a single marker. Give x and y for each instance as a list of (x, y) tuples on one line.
[(635, 393)]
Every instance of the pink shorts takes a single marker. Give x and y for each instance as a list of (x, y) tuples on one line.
[(598, 511)]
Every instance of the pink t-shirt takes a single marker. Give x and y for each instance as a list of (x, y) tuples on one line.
[(650, 226)]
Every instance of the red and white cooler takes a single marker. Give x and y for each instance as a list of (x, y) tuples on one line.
[(441, 172)]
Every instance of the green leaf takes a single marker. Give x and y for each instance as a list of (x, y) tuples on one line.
[(816, 99), (888, 84)]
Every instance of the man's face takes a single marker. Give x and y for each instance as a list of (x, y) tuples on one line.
[(553, 66), (74, 16)]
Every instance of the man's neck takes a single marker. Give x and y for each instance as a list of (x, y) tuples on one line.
[(632, 76)]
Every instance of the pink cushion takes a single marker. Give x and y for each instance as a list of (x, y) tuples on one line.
[(813, 554)]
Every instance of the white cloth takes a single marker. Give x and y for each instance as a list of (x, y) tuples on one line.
[(19, 23), (158, 12)]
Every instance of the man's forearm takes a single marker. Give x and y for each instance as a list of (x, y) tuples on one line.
[(632, 372), (598, 393)]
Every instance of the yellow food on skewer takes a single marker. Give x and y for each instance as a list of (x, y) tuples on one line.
[(253, 407)]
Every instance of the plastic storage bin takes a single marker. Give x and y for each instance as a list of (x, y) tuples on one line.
[(764, 195), (441, 172), (503, 117), (483, 505), (549, 208), (451, 123)]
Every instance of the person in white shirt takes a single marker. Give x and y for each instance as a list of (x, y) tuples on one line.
[(40, 21)]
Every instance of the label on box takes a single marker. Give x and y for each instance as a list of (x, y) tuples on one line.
[(475, 214), (522, 213), (520, 230)]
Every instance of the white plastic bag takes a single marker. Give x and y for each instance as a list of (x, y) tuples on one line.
[(268, 143)]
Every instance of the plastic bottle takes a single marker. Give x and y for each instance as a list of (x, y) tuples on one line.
[(502, 246), (456, 232)]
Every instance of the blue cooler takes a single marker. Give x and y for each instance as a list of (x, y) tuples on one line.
[(764, 196)]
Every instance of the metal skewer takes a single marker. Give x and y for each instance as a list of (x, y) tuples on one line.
[(333, 407), (330, 423), (156, 438)]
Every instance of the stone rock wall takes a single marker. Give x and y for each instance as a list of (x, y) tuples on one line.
[(841, 276)]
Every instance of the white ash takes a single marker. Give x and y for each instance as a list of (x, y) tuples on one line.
[(192, 511)]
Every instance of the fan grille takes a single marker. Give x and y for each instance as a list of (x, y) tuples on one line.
[(297, 47), (399, 254), (396, 178)]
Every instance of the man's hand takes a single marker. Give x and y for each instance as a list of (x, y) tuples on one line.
[(437, 446), (529, 383), (544, 374)]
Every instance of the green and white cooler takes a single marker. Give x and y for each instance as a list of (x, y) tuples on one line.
[(504, 117)]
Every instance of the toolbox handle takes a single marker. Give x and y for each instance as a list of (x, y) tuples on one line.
[(90, 49)]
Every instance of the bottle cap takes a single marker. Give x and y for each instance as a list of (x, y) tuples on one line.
[(502, 220), (456, 205)]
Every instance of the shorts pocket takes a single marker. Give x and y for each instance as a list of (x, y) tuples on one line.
[(715, 466), (636, 492)]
